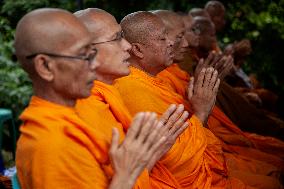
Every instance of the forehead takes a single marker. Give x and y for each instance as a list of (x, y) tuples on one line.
[(107, 28), (78, 36)]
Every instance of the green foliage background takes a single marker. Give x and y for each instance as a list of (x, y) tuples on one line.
[(260, 21)]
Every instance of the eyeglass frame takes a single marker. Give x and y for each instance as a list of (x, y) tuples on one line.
[(120, 36), (84, 58)]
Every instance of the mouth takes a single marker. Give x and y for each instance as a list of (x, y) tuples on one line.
[(126, 60)]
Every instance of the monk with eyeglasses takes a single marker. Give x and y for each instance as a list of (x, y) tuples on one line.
[(57, 149), (105, 104)]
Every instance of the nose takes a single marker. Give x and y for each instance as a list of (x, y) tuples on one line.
[(170, 42), (184, 42), (94, 64), (126, 45)]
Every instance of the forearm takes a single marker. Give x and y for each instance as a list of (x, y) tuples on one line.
[(121, 182)]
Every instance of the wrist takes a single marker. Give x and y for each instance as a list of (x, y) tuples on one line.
[(121, 181)]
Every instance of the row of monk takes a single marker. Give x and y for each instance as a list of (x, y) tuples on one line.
[(113, 109)]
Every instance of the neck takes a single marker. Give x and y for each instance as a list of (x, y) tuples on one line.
[(106, 79), (50, 95), (150, 71)]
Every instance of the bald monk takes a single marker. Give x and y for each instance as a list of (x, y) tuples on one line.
[(141, 83), (216, 11), (226, 130), (175, 25), (193, 160), (57, 148), (105, 103)]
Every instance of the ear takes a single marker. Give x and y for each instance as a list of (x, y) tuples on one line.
[(137, 50), (44, 67)]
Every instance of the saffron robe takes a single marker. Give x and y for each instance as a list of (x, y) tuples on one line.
[(238, 141), (196, 159), (105, 106), (57, 149)]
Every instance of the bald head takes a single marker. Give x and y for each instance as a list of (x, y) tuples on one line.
[(138, 26), (96, 20), (170, 18), (216, 11), (46, 31), (198, 12)]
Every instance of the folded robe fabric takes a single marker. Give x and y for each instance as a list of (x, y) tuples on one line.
[(57, 149), (103, 110), (271, 150), (196, 159)]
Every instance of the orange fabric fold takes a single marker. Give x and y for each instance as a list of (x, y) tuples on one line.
[(103, 110), (196, 159), (57, 149), (224, 128)]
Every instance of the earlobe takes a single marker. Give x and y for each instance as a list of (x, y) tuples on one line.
[(43, 67), (137, 50)]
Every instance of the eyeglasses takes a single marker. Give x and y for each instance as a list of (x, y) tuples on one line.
[(118, 37), (90, 57)]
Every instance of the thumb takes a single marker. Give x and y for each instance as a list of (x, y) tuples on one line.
[(190, 88), (114, 139)]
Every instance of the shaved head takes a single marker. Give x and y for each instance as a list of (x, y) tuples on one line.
[(214, 7), (170, 18), (45, 31), (138, 26), (216, 11), (151, 48), (96, 20), (198, 12)]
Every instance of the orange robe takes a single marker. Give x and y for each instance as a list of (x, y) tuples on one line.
[(196, 159), (236, 140), (105, 106), (57, 149)]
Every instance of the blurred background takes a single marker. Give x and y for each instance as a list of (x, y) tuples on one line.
[(261, 21)]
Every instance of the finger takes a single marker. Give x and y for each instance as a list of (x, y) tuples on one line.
[(219, 66), (148, 127), (174, 117), (181, 130), (114, 141), (190, 88), (216, 59), (183, 118), (199, 82), (216, 87), (208, 76), (210, 58), (213, 80), (199, 67), (154, 136), (168, 113), (135, 126)]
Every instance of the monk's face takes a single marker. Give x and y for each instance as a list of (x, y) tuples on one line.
[(73, 78), (113, 51), (190, 36), (176, 34), (206, 35), (159, 50)]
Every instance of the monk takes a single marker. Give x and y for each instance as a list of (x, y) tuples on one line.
[(216, 11), (207, 167), (105, 103), (218, 123), (56, 147)]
